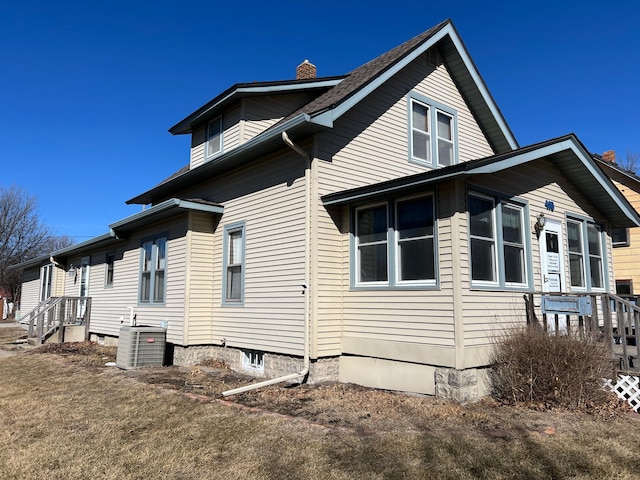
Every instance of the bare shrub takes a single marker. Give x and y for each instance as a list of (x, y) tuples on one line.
[(530, 365)]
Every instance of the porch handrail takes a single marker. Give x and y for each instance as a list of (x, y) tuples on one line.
[(56, 312), (611, 318)]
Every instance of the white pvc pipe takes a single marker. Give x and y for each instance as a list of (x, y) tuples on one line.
[(307, 290)]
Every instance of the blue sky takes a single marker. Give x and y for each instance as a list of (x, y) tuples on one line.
[(89, 89)]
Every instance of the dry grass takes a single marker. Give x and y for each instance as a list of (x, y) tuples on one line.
[(10, 334), (66, 415)]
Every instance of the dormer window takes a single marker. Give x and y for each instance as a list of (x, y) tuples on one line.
[(213, 144), (432, 137)]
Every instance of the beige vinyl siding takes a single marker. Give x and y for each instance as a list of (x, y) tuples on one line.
[(230, 136), (370, 143), (111, 304), (269, 199), (487, 313), (263, 112), (415, 317), (246, 120), (30, 294), (200, 276)]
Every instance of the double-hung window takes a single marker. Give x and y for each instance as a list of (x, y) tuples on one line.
[(109, 264), (497, 239), (432, 133), (415, 247), (586, 261), (395, 243), (213, 144), (153, 269), (233, 276), (372, 240)]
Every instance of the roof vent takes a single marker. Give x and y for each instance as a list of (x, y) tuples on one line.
[(433, 57), (305, 71)]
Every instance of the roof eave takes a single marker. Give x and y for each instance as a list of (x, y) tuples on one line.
[(466, 76), (263, 144), (564, 152), (236, 92)]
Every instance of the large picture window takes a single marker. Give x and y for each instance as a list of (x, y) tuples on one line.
[(432, 132), (586, 261), (498, 242), (402, 255), (153, 268), (233, 277)]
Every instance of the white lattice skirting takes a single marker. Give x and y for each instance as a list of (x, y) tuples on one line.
[(627, 388)]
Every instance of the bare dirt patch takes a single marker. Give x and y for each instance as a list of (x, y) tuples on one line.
[(334, 405)]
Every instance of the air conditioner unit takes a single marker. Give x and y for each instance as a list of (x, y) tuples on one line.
[(141, 346)]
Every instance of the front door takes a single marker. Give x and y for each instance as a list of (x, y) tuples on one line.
[(552, 266), (84, 285)]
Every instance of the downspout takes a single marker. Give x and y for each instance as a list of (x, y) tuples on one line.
[(305, 286)]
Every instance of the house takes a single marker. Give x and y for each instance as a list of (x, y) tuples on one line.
[(625, 241), (378, 228)]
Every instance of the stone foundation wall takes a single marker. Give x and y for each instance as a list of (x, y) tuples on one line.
[(275, 365), (461, 385)]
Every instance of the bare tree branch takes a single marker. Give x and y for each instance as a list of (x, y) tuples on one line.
[(22, 235)]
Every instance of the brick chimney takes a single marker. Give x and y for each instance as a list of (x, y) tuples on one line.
[(609, 156), (305, 71)]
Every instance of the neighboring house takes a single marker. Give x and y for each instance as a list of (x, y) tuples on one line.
[(376, 228), (625, 240)]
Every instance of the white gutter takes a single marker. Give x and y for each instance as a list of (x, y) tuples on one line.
[(306, 290)]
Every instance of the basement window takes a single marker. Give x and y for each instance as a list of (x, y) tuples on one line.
[(253, 360)]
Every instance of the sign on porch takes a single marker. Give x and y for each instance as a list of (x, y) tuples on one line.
[(566, 304)]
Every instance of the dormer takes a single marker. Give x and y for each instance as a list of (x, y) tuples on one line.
[(246, 110)]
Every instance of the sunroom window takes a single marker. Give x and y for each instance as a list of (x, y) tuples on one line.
[(395, 243), (586, 260), (498, 242), (371, 235)]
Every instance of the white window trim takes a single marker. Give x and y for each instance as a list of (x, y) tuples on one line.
[(433, 108), (209, 154), (253, 360)]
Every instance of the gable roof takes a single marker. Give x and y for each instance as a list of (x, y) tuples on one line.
[(347, 92), (616, 172), (567, 153)]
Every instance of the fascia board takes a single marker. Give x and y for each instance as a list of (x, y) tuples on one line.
[(342, 108), (264, 90), (147, 216), (475, 75), (327, 118)]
